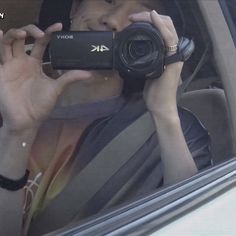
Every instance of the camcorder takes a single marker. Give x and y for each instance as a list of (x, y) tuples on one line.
[(138, 51)]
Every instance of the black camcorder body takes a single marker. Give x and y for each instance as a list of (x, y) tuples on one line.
[(82, 50), (138, 51)]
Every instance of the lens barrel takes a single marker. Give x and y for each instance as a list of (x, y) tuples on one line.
[(139, 51)]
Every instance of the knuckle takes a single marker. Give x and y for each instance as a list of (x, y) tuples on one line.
[(25, 28), (169, 24), (8, 35), (29, 27), (33, 27), (11, 35), (168, 18), (11, 31), (168, 21), (42, 42)]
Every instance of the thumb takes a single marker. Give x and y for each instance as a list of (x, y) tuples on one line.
[(72, 76)]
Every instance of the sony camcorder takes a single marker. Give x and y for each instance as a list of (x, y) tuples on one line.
[(138, 51)]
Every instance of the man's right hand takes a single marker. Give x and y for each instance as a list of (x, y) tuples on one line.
[(27, 95)]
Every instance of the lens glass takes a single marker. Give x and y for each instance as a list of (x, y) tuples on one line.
[(139, 48)]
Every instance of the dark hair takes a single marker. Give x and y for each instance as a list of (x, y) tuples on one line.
[(53, 11)]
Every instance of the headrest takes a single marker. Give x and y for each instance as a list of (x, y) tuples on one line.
[(53, 11)]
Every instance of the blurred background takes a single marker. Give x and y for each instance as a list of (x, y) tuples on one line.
[(18, 13)]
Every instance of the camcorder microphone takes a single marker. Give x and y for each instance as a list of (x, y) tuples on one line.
[(138, 51)]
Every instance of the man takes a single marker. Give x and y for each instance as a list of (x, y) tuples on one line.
[(90, 110)]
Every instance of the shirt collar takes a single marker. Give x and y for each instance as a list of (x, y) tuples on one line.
[(95, 109)]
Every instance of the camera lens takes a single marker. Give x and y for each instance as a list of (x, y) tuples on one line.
[(139, 51), (139, 48)]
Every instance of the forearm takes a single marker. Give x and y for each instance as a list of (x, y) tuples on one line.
[(15, 148), (177, 160)]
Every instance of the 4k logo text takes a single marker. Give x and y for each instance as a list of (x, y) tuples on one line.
[(99, 48)]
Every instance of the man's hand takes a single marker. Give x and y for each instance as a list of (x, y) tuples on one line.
[(160, 94), (27, 95)]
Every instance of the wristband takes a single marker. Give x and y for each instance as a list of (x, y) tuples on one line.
[(14, 185)]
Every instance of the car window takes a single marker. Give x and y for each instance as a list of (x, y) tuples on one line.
[(229, 10), (133, 190), (232, 9)]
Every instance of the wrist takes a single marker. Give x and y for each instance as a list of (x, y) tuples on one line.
[(165, 112), (19, 132), (15, 150), (14, 184), (166, 119)]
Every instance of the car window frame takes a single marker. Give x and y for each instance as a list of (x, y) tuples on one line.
[(154, 211), (229, 20)]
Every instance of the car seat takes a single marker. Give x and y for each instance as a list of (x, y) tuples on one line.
[(210, 106)]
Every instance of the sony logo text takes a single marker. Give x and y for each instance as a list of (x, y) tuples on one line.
[(2, 15), (65, 37)]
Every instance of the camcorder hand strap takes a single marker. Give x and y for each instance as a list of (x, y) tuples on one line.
[(185, 50)]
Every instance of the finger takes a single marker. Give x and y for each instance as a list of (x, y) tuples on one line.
[(7, 41), (72, 76), (18, 47), (168, 22), (1, 58), (170, 25), (146, 16), (167, 30), (141, 16), (41, 44), (163, 23)]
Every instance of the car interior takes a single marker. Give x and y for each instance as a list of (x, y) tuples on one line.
[(210, 94), (212, 102), (204, 96)]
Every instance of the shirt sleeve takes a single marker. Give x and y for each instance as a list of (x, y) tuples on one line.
[(197, 138)]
